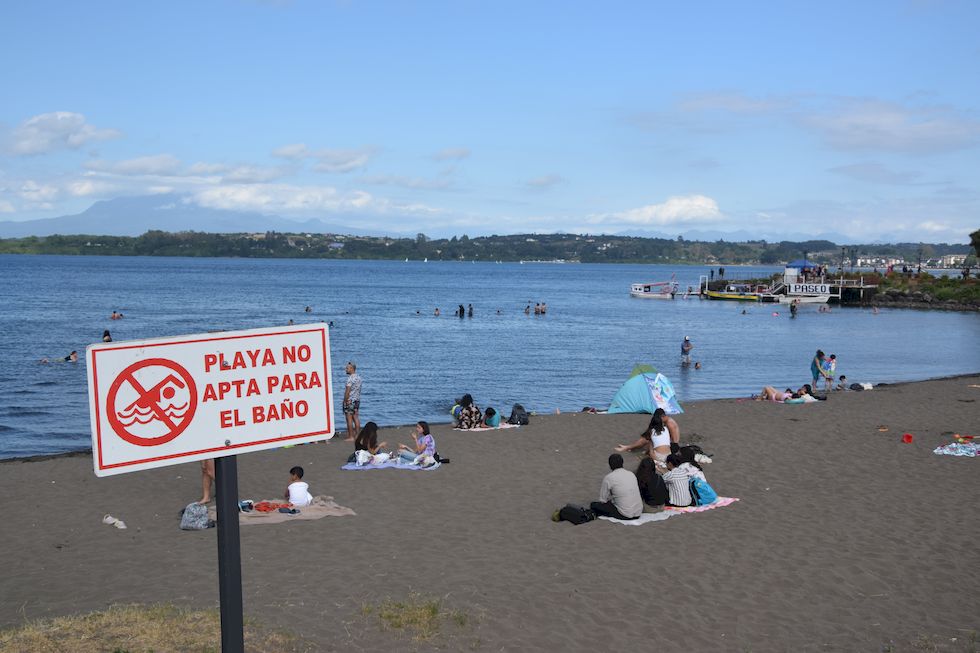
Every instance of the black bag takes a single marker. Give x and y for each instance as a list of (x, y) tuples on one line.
[(519, 416), (575, 514), (856, 386)]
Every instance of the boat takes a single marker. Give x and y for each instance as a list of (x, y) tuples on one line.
[(655, 290), (742, 292)]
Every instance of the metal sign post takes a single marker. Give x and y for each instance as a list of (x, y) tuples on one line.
[(229, 555)]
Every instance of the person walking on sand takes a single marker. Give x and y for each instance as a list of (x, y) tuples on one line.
[(619, 494), (352, 401), (686, 348)]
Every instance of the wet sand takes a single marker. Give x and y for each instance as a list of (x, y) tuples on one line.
[(844, 538)]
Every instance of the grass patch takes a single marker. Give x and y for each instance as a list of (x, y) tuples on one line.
[(140, 629), (418, 616)]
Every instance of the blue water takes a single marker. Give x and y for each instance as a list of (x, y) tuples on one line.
[(414, 365)]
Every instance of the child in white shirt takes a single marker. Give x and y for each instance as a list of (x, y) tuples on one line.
[(298, 492)]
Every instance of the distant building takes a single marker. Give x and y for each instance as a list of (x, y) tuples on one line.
[(335, 246), (952, 260)]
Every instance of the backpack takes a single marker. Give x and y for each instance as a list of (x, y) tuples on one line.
[(519, 416), (575, 514), (195, 518), (702, 494)]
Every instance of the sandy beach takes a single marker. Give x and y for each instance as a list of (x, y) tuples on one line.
[(844, 538)]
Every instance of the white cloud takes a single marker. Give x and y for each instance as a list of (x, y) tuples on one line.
[(202, 168), (452, 154), (876, 173), (280, 198), (689, 209), (158, 164), (294, 151), (87, 187), (868, 124), (34, 192), (733, 102), (935, 227), (6, 207), (246, 174), (57, 130), (342, 161), (543, 182), (415, 183)]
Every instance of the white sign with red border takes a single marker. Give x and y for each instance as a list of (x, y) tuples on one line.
[(174, 400)]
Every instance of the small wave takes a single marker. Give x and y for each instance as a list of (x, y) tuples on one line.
[(139, 419), (143, 412), (17, 411), (44, 383), (5, 428)]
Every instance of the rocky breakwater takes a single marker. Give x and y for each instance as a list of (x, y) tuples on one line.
[(904, 298)]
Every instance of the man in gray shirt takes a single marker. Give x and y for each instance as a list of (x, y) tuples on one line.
[(619, 495)]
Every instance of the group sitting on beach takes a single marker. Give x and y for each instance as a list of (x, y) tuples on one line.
[(368, 451), (467, 414)]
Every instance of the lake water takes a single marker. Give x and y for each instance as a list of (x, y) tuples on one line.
[(414, 365)]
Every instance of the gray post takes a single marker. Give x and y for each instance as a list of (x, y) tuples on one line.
[(229, 555)]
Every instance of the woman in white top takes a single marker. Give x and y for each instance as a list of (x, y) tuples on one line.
[(657, 439)]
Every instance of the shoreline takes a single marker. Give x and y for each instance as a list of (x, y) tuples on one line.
[(386, 427)]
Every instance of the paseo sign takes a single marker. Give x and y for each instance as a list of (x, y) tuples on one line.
[(809, 289), (172, 400)]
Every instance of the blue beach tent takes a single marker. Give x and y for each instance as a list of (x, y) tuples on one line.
[(644, 392)]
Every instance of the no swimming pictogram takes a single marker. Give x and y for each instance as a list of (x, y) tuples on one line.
[(151, 402)]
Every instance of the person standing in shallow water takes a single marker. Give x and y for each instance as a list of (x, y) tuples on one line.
[(352, 401)]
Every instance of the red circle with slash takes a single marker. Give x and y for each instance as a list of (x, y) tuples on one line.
[(173, 375)]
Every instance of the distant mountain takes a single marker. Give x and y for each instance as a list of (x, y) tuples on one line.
[(132, 216)]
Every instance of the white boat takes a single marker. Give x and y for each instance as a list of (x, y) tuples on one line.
[(655, 290)]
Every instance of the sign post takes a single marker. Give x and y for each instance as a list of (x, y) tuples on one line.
[(167, 401), (229, 556)]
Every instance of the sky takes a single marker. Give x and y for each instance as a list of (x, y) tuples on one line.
[(858, 119)]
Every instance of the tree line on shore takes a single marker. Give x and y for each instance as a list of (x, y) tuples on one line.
[(548, 247)]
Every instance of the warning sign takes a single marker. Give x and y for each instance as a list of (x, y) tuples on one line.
[(172, 400)]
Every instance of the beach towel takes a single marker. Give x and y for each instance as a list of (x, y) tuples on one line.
[(671, 511), (322, 506), (969, 449), (391, 464), (503, 425)]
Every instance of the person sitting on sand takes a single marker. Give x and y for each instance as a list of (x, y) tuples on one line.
[(367, 439), (491, 419), (619, 494), (661, 437), (425, 444), (842, 383), (298, 492), (653, 490), (769, 393), (470, 415), (677, 478)]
